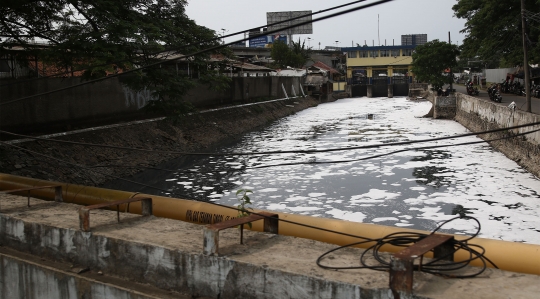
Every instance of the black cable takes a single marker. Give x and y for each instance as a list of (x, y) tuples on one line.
[(177, 194), (437, 266), (201, 51), (276, 152), (205, 41), (395, 152)]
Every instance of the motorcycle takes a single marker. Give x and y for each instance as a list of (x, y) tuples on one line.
[(505, 86), (536, 91), (472, 91), (493, 92)]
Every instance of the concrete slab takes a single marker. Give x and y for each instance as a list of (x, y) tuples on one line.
[(167, 254)]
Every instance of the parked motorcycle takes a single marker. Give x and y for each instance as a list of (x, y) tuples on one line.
[(494, 94), (505, 86), (472, 91), (536, 91)]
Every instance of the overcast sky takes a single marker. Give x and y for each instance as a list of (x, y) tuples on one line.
[(399, 17)]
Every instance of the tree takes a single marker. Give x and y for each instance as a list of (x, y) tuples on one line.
[(295, 56), (493, 29), (430, 60), (100, 37)]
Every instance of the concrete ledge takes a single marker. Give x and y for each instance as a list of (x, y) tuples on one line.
[(167, 254)]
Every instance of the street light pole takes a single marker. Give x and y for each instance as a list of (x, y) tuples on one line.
[(525, 60), (222, 36)]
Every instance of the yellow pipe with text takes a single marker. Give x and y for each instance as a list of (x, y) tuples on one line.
[(510, 256)]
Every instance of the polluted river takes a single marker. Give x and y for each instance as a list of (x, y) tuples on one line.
[(352, 160)]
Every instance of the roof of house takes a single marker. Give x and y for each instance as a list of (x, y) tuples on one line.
[(325, 67)]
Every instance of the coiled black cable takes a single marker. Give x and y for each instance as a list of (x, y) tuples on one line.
[(436, 266)]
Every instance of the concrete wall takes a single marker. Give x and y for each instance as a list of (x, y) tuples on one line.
[(25, 280), (110, 100), (501, 116), (444, 107), (498, 75), (162, 267), (482, 115)]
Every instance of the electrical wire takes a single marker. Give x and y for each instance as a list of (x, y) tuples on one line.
[(440, 266), (178, 195), (393, 152), (273, 152), (90, 168), (201, 51), (205, 41)]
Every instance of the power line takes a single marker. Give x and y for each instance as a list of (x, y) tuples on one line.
[(202, 51), (206, 41), (393, 152), (273, 152), (397, 239)]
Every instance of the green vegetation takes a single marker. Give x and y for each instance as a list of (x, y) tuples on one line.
[(432, 59), (493, 29), (244, 200), (295, 56), (95, 38)]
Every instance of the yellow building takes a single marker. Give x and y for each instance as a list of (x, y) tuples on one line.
[(365, 64)]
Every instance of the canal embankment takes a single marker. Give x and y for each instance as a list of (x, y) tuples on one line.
[(158, 140), (151, 257), (477, 115)]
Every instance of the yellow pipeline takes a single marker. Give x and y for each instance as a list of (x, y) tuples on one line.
[(510, 256)]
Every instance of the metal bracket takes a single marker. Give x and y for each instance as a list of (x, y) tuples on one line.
[(402, 264), (84, 212), (211, 231), (57, 192)]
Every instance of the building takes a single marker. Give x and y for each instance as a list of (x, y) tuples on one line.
[(380, 61), (381, 65)]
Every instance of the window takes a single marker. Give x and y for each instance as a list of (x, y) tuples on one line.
[(385, 53), (407, 52), (374, 53), (351, 54), (395, 53), (364, 54)]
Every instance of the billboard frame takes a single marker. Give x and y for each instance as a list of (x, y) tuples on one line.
[(285, 17)]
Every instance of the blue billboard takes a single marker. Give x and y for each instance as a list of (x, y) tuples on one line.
[(262, 41)]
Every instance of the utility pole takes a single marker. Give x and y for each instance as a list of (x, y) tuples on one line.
[(525, 60), (450, 73)]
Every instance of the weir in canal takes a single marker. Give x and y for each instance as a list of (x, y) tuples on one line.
[(395, 185)]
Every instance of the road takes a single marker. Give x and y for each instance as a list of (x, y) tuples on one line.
[(506, 99)]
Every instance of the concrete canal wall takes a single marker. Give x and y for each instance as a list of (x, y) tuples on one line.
[(151, 257), (110, 101), (478, 114)]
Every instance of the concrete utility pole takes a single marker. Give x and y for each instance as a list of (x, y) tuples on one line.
[(525, 60), (450, 73)]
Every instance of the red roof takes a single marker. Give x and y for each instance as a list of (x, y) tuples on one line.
[(325, 67)]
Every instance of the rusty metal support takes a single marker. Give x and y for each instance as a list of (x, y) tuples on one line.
[(57, 192), (84, 212), (402, 264), (211, 231)]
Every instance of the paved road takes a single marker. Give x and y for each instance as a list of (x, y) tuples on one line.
[(506, 99)]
